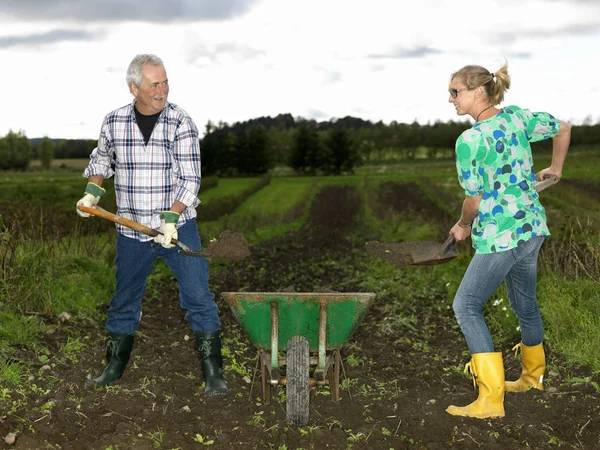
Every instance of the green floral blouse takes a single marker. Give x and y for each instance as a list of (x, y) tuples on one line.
[(493, 159)]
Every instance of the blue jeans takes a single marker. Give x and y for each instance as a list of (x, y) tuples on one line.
[(518, 269), (135, 260)]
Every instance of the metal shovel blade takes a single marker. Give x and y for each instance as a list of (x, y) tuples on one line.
[(414, 253)]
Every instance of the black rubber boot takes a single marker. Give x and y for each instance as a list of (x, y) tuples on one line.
[(209, 348), (118, 350)]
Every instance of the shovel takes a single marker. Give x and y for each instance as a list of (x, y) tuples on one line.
[(427, 253), (230, 245)]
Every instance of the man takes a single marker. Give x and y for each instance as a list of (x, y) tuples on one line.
[(152, 148)]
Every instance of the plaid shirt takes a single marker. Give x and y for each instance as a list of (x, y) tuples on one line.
[(149, 177)]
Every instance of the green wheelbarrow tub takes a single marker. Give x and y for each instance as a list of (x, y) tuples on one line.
[(298, 313), (299, 323)]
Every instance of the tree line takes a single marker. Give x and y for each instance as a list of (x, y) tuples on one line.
[(255, 146)]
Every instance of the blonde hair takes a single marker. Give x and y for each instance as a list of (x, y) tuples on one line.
[(495, 84)]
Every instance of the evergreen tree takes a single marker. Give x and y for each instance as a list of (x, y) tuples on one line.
[(4, 155), (308, 152), (243, 158), (343, 157), (45, 152), (217, 149), (15, 151), (258, 158)]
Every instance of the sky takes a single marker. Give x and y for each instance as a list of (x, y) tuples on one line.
[(63, 62)]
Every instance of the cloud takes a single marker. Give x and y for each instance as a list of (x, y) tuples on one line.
[(403, 53), (576, 29), (591, 2), (330, 76), (158, 11), (239, 52), (48, 37), (521, 55), (316, 114)]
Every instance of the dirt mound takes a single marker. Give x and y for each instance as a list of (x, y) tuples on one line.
[(229, 246)]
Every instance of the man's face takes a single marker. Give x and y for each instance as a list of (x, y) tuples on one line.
[(151, 96)]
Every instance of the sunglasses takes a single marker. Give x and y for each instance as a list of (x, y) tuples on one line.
[(454, 92)]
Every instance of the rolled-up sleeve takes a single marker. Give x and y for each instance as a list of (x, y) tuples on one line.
[(540, 125), (102, 157), (186, 151)]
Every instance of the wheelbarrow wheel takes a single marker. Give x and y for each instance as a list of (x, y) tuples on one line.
[(298, 380)]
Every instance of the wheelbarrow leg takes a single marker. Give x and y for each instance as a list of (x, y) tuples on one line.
[(334, 376), (265, 376)]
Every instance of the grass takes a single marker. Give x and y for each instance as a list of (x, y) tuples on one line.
[(226, 187), (571, 310), (280, 196), (75, 274), (80, 285), (19, 329), (70, 164)]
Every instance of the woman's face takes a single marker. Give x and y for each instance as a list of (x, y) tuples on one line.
[(460, 96)]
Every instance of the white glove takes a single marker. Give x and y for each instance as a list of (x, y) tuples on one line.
[(92, 196), (88, 200), (167, 228)]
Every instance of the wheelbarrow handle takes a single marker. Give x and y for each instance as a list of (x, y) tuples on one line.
[(100, 212)]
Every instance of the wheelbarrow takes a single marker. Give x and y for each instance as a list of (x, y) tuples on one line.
[(310, 328)]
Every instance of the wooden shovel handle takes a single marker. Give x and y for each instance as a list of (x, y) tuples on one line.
[(99, 212), (448, 245)]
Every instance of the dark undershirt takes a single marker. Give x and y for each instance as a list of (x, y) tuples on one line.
[(146, 123)]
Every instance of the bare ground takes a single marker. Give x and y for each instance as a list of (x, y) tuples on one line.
[(399, 378)]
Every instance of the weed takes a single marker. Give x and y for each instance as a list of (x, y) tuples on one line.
[(353, 361), (257, 420), (355, 437), (73, 346), (11, 373), (555, 441), (22, 330), (202, 440), (47, 407), (156, 437), (347, 383)]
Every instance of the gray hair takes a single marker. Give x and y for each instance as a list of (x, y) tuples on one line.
[(134, 71)]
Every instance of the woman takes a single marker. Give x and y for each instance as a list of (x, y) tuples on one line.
[(507, 224)]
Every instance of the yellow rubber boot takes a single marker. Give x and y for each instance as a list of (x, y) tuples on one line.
[(488, 374), (533, 363)]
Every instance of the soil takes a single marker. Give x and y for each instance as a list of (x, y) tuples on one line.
[(229, 246), (423, 253), (398, 379)]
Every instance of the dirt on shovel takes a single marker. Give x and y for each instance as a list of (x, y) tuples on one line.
[(229, 246), (413, 253)]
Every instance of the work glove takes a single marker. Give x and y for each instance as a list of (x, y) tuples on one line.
[(168, 221), (92, 196)]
